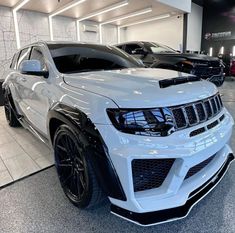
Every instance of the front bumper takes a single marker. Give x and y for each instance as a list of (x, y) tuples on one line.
[(162, 216), (174, 193)]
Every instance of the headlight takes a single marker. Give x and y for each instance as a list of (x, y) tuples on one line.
[(147, 122)]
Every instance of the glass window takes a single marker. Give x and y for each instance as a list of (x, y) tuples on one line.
[(130, 48), (36, 54), (158, 48), (24, 55), (75, 58)]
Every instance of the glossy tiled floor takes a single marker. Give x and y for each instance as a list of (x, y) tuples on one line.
[(21, 154)]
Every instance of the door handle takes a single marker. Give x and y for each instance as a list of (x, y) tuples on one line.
[(22, 79)]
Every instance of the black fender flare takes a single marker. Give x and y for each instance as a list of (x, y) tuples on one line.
[(94, 145)]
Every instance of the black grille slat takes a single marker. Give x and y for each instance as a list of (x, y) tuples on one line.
[(197, 131), (192, 118), (200, 111), (179, 118), (218, 103), (212, 125), (214, 107), (208, 109), (220, 100), (222, 117), (150, 173), (194, 170)]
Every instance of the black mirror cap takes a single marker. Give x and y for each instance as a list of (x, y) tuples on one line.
[(45, 73)]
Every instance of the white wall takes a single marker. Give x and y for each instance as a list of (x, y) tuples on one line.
[(109, 33), (7, 39), (64, 28), (194, 29), (33, 26), (166, 31), (91, 37)]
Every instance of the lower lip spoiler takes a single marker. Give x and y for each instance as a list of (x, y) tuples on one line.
[(168, 215)]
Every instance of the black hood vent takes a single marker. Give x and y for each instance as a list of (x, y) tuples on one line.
[(177, 81)]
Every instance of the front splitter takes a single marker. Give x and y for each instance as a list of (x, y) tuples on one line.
[(168, 215)]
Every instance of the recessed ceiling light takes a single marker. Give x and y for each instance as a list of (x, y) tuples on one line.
[(130, 15), (105, 10), (146, 20), (66, 7)]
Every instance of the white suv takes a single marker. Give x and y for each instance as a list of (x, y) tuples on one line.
[(154, 141)]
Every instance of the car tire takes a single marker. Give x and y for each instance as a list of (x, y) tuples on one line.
[(10, 112), (74, 169)]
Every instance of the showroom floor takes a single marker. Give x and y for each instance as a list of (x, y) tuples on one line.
[(21, 154), (37, 203)]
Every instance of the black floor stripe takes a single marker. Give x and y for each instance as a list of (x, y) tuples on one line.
[(25, 177)]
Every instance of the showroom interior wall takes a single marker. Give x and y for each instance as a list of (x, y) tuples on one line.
[(167, 31), (220, 32), (34, 26), (194, 28)]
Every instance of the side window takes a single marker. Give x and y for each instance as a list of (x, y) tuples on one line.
[(129, 48), (36, 54), (14, 61), (120, 46), (24, 55)]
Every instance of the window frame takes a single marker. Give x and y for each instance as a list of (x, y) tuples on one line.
[(43, 56), (28, 48)]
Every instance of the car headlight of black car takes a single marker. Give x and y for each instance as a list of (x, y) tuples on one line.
[(147, 122)]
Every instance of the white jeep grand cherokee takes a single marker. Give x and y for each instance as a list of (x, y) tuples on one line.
[(154, 141)]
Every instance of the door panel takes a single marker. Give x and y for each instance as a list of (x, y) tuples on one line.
[(20, 80), (38, 95)]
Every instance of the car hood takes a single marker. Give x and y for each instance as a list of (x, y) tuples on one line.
[(139, 88), (189, 56)]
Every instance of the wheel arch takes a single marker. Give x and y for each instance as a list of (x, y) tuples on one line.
[(94, 145)]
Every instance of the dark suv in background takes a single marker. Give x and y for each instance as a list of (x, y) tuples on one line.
[(155, 55)]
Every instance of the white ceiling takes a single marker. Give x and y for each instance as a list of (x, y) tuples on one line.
[(90, 6)]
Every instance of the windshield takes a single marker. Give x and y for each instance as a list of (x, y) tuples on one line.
[(76, 58), (158, 48)]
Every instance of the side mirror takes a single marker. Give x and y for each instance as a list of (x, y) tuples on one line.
[(33, 67), (139, 51)]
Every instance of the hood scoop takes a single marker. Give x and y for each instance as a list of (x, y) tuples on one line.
[(177, 81)]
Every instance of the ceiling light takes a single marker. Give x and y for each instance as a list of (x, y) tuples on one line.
[(105, 10), (211, 51), (133, 14), (20, 5), (66, 7), (222, 50), (146, 20)]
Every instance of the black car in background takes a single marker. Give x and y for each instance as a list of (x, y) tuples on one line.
[(155, 55)]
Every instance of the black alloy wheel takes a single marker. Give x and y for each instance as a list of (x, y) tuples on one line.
[(74, 170)]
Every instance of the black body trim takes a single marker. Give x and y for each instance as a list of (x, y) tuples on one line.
[(151, 218), (94, 147)]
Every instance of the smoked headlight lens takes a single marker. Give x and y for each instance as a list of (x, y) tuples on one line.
[(148, 122)]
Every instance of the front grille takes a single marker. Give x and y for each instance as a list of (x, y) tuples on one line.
[(196, 113), (207, 70), (194, 170), (150, 173)]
